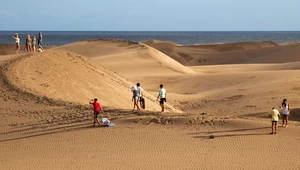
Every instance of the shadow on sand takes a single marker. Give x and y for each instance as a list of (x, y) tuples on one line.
[(233, 133), (36, 129)]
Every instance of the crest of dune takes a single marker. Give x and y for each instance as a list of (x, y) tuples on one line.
[(74, 78)]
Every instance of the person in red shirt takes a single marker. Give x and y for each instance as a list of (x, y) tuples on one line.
[(97, 109)]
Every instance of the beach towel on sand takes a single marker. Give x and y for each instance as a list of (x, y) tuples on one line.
[(107, 122)]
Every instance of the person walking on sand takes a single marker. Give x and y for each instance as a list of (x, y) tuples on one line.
[(97, 109), (274, 115), (16, 37), (285, 112), (33, 43), (28, 43), (140, 94), (40, 40), (162, 95), (135, 98)]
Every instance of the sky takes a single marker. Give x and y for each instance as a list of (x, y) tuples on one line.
[(150, 15)]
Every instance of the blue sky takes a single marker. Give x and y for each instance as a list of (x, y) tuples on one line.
[(150, 15)]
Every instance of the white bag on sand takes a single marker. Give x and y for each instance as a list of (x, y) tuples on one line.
[(106, 122)]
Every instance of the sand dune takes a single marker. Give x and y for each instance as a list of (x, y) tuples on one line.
[(127, 57), (234, 53), (73, 78), (218, 102)]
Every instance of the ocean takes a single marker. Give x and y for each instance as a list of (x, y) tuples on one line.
[(199, 37)]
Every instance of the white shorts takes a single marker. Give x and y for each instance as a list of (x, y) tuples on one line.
[(136, 98)]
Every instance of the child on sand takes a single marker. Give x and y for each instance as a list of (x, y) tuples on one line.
[(97, 109), (274, 115), (16, 37), (285, 112)]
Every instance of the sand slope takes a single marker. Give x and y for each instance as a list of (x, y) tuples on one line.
[(73, 78), (127, 57)]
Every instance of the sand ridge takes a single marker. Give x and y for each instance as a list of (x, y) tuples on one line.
[(137, 55)]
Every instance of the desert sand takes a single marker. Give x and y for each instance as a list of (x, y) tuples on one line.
[(218, 100)]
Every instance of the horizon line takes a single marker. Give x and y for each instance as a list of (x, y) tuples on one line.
[(156, 31)]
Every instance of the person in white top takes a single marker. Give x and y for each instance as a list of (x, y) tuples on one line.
[(16, 37), (135, 98), (162, 95), (139, 93), (285, 112)]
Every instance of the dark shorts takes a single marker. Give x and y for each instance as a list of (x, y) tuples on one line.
[(39, 42), (96, 114), (274, 121), (162, 101)]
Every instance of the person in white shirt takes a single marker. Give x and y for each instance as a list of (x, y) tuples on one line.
[(139, 93), (16, 37), (162, 95), (285, 112), (135, 98)]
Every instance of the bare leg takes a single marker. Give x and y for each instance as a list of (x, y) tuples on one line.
[(97, 120), (162, 107), (133, 106), (287, 119), (137, 105), (283, 120), (275, 127), (94, 122)]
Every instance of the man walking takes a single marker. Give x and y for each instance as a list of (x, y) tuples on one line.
[(40, 40), (140, 95), (162, 95)]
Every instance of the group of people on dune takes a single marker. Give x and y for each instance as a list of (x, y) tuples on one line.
[(139, 101), (275, 114), (137, 98), (30, 43)]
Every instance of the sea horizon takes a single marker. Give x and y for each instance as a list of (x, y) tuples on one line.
[(180, 37)]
